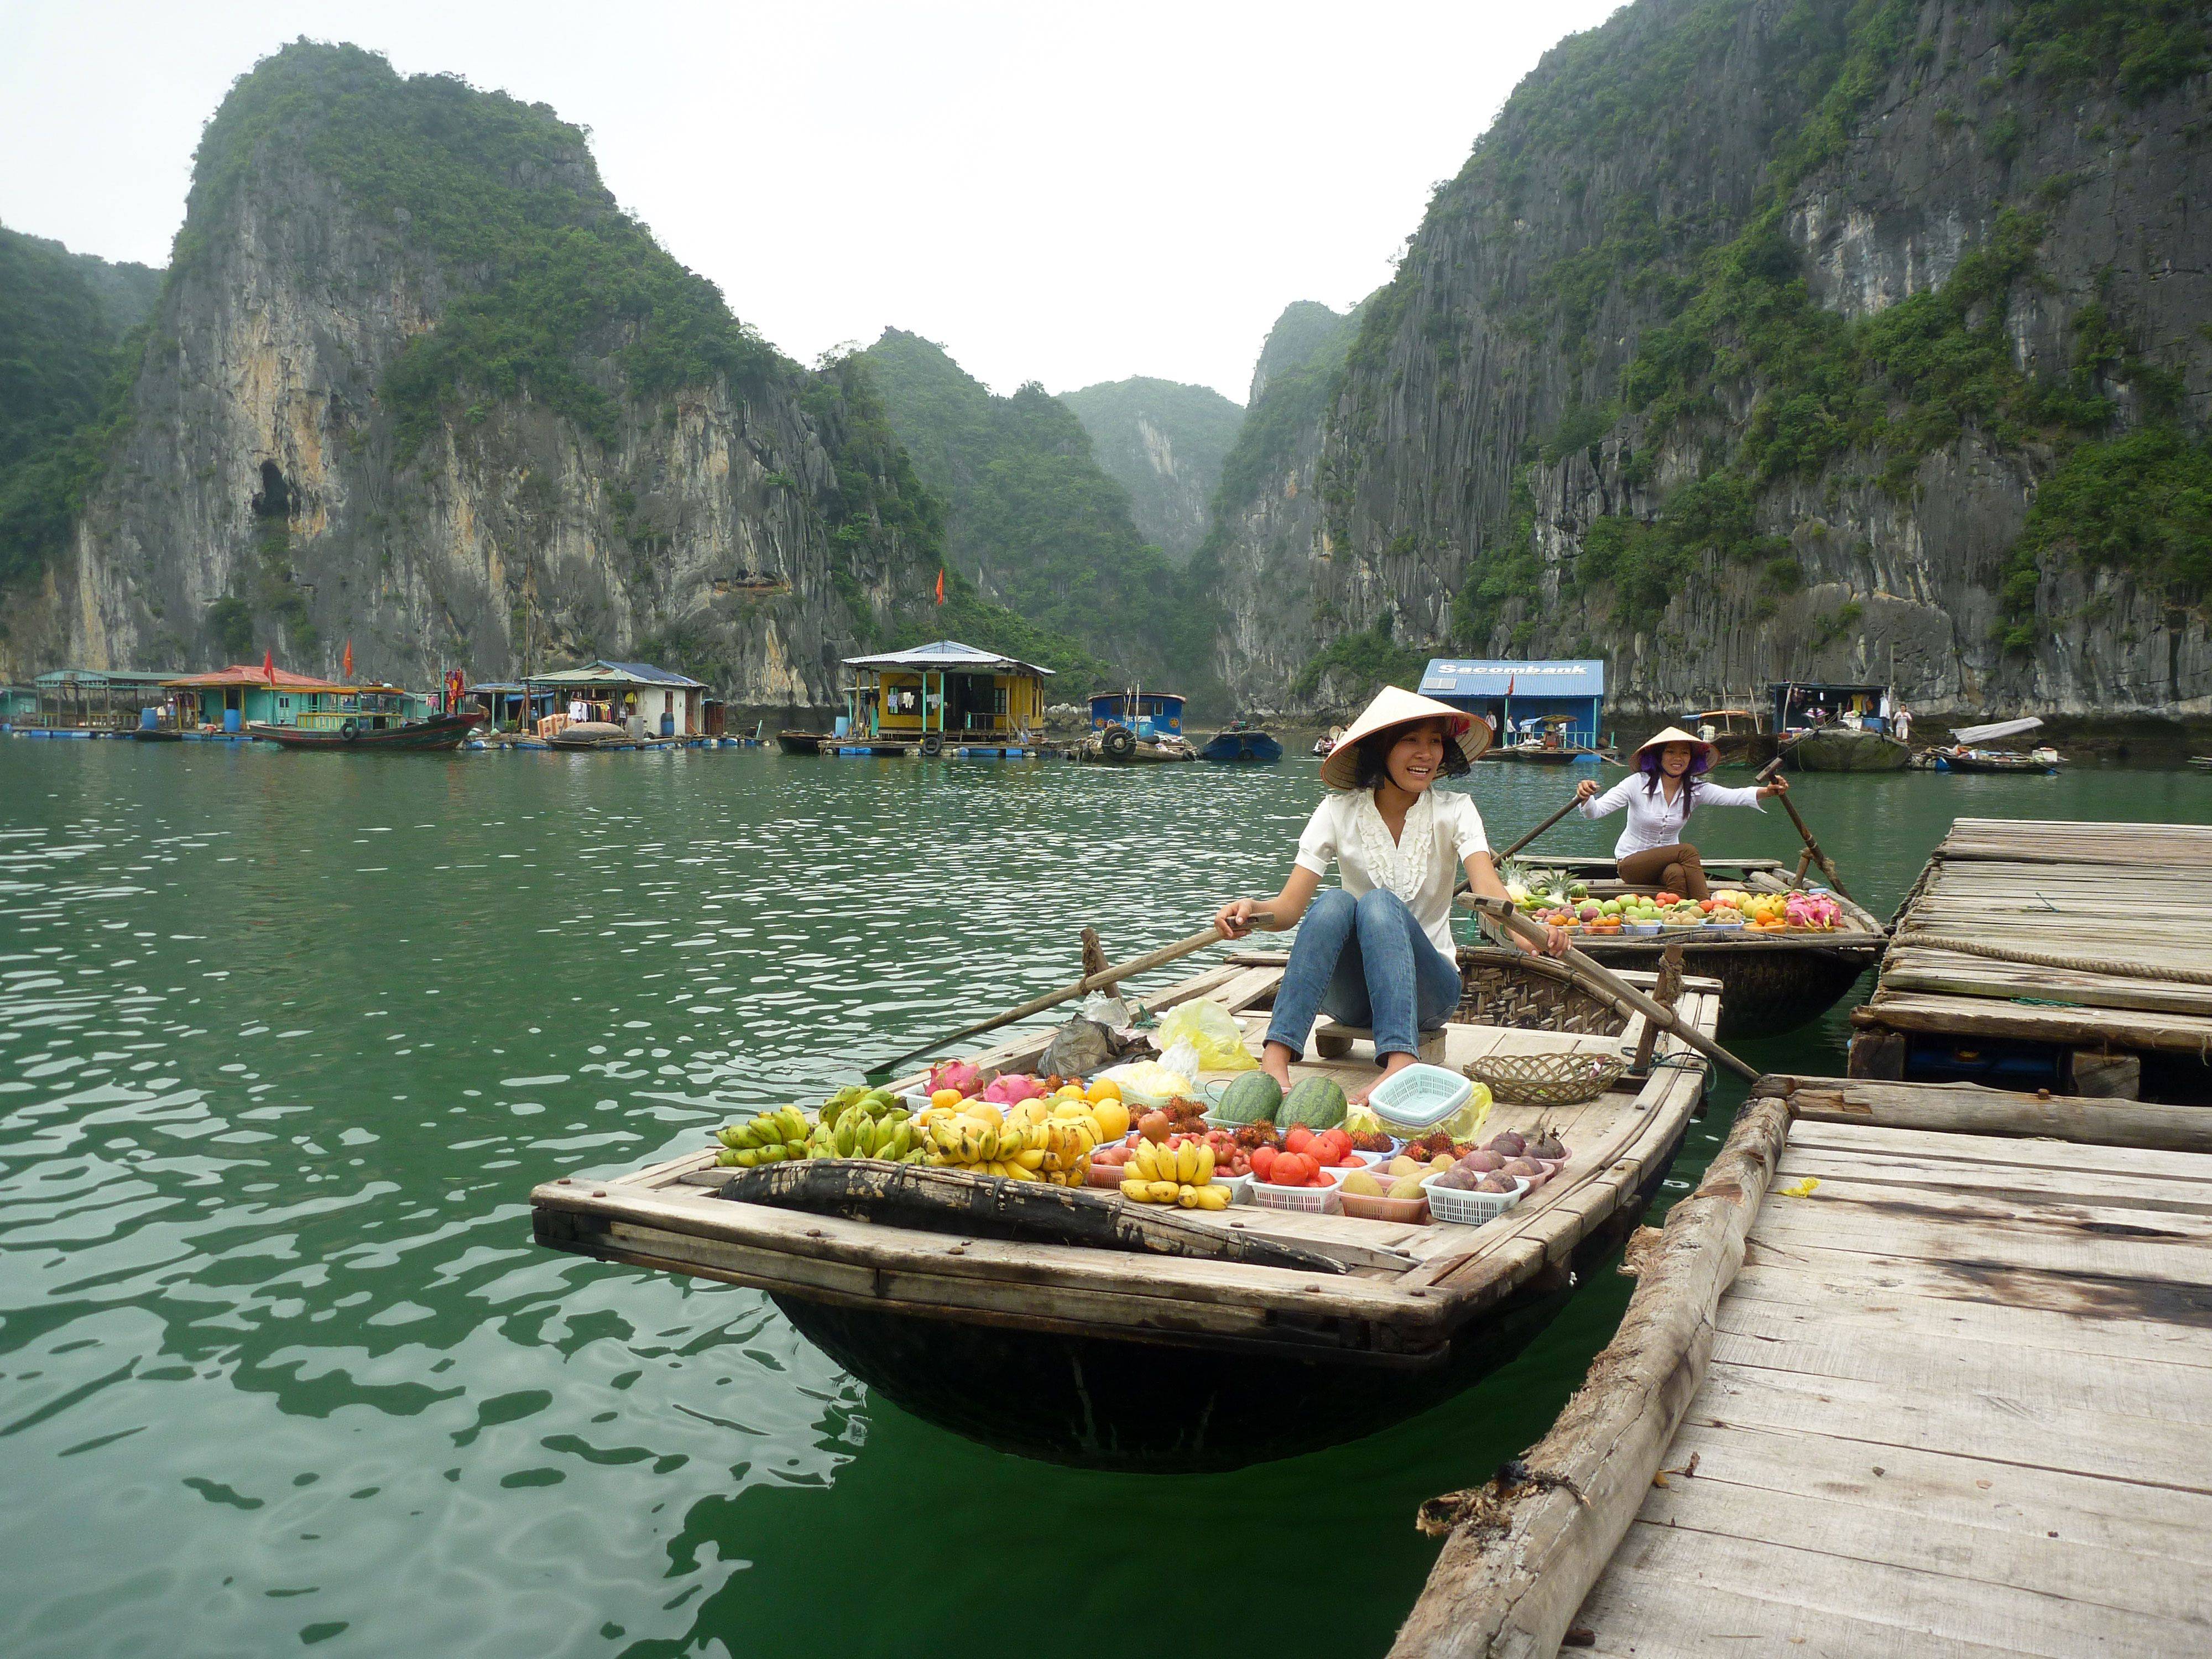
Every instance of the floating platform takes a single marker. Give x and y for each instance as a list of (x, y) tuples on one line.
[(1917, 1370), (2103, 910)]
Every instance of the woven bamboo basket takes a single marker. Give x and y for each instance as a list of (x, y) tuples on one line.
[(1546, 1080), (1508, 988)]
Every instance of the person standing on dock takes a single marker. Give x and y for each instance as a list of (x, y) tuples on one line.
[(1658, 797), (1378, 951)]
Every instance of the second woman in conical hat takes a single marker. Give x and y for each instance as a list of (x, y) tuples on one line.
[(1378, 951), (1667, 784)]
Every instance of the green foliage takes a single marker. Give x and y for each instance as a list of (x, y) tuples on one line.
[(66, 371), (2144, 47), (1583, 425), (549, 277), (2140, 503), (1200, 428), (1357, 665), (1648, 565), (1505, 570), (1031, 511), (230, 619)]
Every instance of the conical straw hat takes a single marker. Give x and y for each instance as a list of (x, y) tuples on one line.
[(1392, 707), (1702, 761)]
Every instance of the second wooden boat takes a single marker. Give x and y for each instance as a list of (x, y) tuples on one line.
[(1083, 1329), (1241, 745), (365, 736), (1769, 982), (1844, 748)]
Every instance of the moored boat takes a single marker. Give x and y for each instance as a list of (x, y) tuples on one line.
[(360, 733), (1239, 744), (1325, 744), (1769, 982), (1072, 1324), (1843, 748), (1117, 745), (1963, 759)]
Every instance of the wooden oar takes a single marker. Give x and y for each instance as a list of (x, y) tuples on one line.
[(1827, 865), (1603, 983), (1539, 828), (1098, 981)]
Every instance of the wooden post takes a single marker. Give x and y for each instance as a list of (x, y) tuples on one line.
[(1094, 961), (1876, 1053), (1667, 986)]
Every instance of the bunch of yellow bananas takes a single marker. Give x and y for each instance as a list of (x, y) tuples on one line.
[(1037, 1140), (1174, 1175)]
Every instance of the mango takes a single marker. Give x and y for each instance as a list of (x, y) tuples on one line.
[(1406, 1186), (1402, 1165), (1364, 1184)]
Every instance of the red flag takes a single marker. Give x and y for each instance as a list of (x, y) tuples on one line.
[(940, 585), (349, 659), (1508, 685), (269, 665)]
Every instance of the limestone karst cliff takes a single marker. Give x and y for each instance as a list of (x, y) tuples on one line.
[(1164, 443), (1761, 338), (415, 380)]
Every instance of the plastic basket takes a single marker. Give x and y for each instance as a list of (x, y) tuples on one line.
[(1407, 1211), (1639, 929), (1468, 1209), (1302, 1200), (1411, 1101)]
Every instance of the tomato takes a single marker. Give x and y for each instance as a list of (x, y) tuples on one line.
[(1298, 1139), (1263, 1160)]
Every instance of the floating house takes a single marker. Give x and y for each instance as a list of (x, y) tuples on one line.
[(943, 694), (1525, 699), (89, 700), (246, 693), (1816, 702), (650, 702), (1148, 714), (18, 702)]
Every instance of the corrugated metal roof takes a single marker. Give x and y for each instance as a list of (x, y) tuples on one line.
[(1557, 676), (94, 678), (944, 653), (602, 673)]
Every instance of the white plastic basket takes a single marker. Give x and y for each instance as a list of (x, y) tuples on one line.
[(1639, 929), (1414, 1099), (1303, 1201), (1471, 1209)]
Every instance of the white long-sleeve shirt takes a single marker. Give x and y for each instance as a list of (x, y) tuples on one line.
[(1653, 820)]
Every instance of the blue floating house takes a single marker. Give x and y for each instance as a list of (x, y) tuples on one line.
[(1525, 701)]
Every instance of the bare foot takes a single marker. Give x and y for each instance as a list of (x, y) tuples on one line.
[(1394, 1062), (1275, 1060)]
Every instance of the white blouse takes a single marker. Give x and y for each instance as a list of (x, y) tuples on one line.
[(1653, 820), (1421, 866)]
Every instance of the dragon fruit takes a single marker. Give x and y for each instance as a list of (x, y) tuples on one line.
[(1012, 1088), (959, 1075), (1812, 910)]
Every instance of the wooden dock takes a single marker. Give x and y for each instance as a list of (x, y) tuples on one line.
[(2088, 972), (1918, 1370)]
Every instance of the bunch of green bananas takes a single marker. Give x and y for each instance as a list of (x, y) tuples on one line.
[(768, 1138), (859, 1134), (877, 1103)]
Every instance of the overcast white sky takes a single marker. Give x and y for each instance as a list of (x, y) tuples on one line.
[(1062, 192)]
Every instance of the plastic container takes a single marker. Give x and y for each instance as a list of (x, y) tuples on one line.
[(1468, 1209), (1303, 1201), (1411, 1102), (1405, 1212), (1724, 927), (1639, 929)]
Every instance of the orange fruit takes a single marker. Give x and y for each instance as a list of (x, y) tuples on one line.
[(1104, 1089)]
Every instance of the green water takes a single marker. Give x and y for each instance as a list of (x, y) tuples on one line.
[(286, 1039)]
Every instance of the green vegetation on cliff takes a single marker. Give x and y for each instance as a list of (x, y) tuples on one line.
[(1140, 427), (66, 353), (1034, 519), (552, 277)]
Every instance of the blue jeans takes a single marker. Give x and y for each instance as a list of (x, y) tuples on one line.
[(1368, 963)]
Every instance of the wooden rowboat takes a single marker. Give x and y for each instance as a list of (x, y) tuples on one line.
[(1769, 982), (352, 737), (1072, 1325)]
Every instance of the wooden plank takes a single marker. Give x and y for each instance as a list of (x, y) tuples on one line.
[(2114, 1218), (1965, 1108), (2054, 1182), (1927, 1605), (1808, 1223), (1635, 1614), (1850, 1134), (1986, 1017)]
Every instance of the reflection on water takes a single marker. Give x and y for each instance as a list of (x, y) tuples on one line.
[(286, 1039)]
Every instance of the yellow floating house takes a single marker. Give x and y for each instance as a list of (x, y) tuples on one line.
[(943, 697)]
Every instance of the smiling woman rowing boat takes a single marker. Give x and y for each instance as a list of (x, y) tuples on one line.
[(1659, 796), (1378, 951)]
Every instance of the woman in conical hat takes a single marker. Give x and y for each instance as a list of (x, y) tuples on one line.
[(1377, 951), (1658, 795)]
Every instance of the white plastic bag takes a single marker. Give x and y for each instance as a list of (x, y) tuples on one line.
[(1212, 1033)]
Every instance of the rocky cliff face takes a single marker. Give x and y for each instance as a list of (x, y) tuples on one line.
[(1751, 337), (276, 487), (1164, 443)]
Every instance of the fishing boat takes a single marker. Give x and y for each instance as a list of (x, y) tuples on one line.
[(1117, 745), (344, 733), (1769, 982), (1833, 727), (1965, 753), (1325, 744), (1073, 1325), (1843, 748), (1239, 744)]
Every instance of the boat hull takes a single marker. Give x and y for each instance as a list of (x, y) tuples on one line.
[(1242, 748), (801, 742), (1767, 986), (1840, 749), (446, 732), (1148, 1407), (1943, 763)]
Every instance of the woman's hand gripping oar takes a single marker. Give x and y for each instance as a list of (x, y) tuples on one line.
[(1604, 984), (1099, 980)]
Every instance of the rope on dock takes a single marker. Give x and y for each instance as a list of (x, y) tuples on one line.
[(2052, 960)]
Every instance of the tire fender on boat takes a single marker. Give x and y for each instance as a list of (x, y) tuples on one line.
[(1120, 742), (932, 743), (348, 731)]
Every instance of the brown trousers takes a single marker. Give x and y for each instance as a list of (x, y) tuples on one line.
[(1676, 869)]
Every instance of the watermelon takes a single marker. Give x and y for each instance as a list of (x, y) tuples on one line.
[(1252, 1098), (1316, 1101)]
